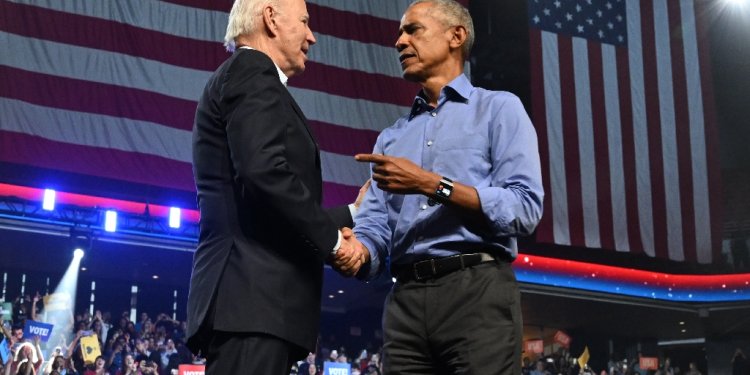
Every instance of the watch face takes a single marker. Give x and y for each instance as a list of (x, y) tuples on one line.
[(444, 190)]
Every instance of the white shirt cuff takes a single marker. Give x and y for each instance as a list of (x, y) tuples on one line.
[(338, 243)]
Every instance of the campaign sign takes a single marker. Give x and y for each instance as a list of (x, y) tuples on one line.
[(648, 363), (33, 328), (562, 338), (534, 346), (4, 351), (90, 348), (6, 311), (335, 368), (191, 370)]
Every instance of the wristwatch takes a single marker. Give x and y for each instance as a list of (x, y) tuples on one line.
[(443, 191)]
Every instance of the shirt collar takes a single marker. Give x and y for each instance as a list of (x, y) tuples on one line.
[(282, 77), (457, 90)]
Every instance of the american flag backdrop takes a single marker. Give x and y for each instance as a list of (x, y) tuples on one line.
[(100, 95), (622, 102)]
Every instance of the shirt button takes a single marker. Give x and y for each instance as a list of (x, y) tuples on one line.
[(424, 207), (433, 114), (429, 143)]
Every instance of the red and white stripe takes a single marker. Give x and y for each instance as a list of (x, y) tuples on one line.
[(108, 89), (627, 136)]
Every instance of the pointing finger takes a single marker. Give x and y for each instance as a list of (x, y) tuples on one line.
[(371, 158)]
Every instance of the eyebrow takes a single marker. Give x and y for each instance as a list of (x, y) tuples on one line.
[(409, 27)]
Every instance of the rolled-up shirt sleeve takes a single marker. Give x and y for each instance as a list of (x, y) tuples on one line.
[(512, 203)]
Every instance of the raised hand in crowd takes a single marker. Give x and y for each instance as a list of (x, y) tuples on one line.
[(36, 299)]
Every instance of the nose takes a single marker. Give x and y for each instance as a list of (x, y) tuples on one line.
[(401, 42), (310, 37)]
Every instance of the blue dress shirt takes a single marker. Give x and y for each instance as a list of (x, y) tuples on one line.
[(477, 137)]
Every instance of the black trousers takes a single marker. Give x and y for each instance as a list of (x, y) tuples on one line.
[(465, 322), (231, 353)]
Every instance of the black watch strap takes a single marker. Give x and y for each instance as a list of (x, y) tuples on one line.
[(443, 191)]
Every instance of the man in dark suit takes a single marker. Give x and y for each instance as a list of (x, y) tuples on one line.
[(254, 303)]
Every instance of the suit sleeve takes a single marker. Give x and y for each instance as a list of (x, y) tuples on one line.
[(257, 119), (342, 216)]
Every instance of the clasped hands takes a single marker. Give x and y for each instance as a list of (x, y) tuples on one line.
[(351, 256)]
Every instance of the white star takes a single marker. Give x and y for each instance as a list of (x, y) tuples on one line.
[(610, 25), (580, 28), (601, 34), (578, 7), (599, 13), (620, 38), (588, 1), (608, 5), (557, 3), (546, 12), (619, 18), (559, 25), (569, 16), (589, 21), (536, 19)]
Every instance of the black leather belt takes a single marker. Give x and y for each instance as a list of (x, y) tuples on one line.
[(436, 267)]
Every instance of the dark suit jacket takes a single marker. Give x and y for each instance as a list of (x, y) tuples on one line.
[(263, 234)]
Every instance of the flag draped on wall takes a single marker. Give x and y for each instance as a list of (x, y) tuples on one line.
[(622, 102), (100, 95)]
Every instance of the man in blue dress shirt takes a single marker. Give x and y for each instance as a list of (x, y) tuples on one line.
[(457, 181)]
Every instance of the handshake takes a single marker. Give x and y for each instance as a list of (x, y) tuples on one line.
[(351, 255)]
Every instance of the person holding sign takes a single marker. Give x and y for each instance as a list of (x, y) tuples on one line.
[(97, 368)]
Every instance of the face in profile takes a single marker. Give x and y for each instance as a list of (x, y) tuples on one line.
[(295, 36)]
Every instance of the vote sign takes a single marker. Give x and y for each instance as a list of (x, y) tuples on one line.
[(34, 328), (335, 368)]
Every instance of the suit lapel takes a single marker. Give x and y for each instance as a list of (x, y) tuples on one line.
[(304, 120)]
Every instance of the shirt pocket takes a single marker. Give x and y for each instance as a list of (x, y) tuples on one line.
[(464, 158)]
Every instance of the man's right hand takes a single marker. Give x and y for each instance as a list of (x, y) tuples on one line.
[(351, 255)]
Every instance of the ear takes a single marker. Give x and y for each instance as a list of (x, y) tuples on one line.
[(458, 36), (269, 19)]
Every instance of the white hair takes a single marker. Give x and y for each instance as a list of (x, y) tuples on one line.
[(244, 18), (454, 14)]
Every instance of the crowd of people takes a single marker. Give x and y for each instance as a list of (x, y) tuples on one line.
[(146, 346), (149, 345), (562, 363), (156, 347)]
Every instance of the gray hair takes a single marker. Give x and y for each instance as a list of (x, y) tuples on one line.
[(451, 13), (244, 18)]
